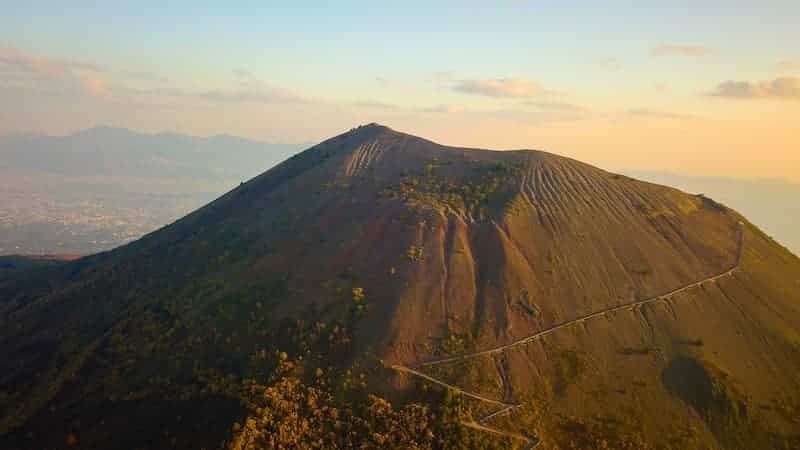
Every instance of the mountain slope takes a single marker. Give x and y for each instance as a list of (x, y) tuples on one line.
[(399, 250), (767, 202)]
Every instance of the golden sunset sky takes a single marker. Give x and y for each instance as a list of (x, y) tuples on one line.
[(689, 87)]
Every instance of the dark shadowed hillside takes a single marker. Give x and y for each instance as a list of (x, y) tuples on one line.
[(11, 265), (352, 264)]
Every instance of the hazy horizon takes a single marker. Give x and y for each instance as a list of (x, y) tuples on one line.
[(697, 89), (304, 145), (101, 187)]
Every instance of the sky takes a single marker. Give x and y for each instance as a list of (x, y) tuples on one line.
[(693, 87)]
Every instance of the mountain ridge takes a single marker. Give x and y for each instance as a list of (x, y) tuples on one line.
[(105, 150), (423, 252)]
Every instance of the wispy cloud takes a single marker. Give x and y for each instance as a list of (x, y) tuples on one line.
[(444, 108), (650, 113), (536, 116), (273, 95), (443, 77), (373, 104), (500, 88), (29, 71), (242, 73), (609, 64), (64, 76), (12, 59), (681, 50), (555, 106), (146, 76), (20, 70), (266, 95), (248, 81), (780, 88), (95, 86)]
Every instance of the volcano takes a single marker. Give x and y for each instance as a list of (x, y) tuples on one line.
[(557, 304)]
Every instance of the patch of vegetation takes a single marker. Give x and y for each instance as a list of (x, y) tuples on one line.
[(653, 213), (685, 204), (568, 368), (692, 342), (636, 351), (601, 432), (359, 306), (711, 204), (705, 389), (415, 253), (526, 302), (729, 414), (286, 412), (642, 270), (487, 190), (787, 408), (456, 343)]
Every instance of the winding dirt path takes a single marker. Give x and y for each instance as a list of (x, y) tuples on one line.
[(505, 408)]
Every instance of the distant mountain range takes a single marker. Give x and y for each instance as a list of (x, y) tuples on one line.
[(119, 152), (99, 188)]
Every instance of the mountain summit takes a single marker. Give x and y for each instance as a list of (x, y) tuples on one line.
[(566, 306)]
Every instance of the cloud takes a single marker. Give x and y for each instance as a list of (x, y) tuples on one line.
[(609, 64), (95, 86), (146, 76), (536, 116), (13, 60), (22, 70), (382, 81), (789, 64), (241, 73), (372, 104), (649, 113), (273, 95), (500, 88), (681, 50), (50, 76), (443, 77), (444, 108), (555, 106), (248, 81), (780, 88), (53, 76), (268, 96)]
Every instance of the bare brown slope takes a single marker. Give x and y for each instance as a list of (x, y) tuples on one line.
[(456, 250), (524, 265), (707, 367)]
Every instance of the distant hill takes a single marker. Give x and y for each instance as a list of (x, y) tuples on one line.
[(379, 290), (772, 204), (102, 187), (119, 152)]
